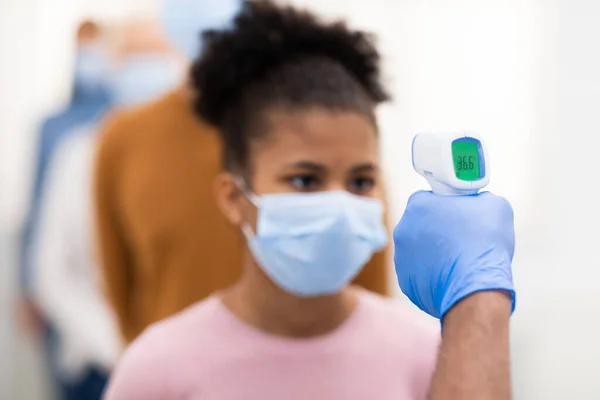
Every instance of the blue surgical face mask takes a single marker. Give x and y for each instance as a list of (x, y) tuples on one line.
[(313, 244), (184, 20), (91, 69), (143, 77)]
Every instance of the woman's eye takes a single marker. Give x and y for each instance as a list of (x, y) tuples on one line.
[(362, 185), (304, 182)]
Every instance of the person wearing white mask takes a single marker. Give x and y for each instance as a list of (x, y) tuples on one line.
[(144, 68), (69, 286), (164, 245), (90, 98)]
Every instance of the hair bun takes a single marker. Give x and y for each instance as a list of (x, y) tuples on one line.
[(263, 37)]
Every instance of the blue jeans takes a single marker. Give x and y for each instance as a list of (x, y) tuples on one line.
[(89, 387)]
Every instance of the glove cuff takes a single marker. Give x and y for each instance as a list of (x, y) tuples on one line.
[(449, 303)]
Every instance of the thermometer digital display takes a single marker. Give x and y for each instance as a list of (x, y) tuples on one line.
[(465, 153), (454, 163)]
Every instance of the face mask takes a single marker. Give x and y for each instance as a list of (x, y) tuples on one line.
[(315, 244), (90, 68), (184, 20), (142, 78)]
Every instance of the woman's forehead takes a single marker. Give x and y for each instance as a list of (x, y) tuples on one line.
[(318, 134)]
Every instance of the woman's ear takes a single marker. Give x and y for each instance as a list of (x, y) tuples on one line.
[(230, 197)]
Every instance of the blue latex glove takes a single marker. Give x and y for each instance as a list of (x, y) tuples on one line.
[(449, 247)]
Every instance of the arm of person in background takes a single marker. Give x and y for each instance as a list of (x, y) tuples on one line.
[(114, 255), (453, 258), (30, 318), (67, 290)]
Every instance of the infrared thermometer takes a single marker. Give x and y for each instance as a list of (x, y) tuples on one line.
[(454, 163)]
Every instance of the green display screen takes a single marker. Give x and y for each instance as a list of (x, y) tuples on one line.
[(465, 153)]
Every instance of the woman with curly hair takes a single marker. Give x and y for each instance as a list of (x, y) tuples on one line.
[(294, 100)]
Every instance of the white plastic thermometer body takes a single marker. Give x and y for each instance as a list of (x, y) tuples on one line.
[(454, 163)]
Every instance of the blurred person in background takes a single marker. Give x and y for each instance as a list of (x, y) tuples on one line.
[(90, 98), (68, 285), (164, 244), (294, 99)]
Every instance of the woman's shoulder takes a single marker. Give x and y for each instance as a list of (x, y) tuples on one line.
[(182, 328), (163, 353)]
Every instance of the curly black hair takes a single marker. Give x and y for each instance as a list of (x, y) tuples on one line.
[(279, 56)]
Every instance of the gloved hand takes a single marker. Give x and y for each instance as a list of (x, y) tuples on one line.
[(449, 247)]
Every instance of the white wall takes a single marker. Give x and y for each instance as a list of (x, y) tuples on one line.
[(562, 328), (522, 72)]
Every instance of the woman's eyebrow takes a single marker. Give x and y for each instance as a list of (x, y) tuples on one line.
[(314, 166), (367, 167), (310, 165)]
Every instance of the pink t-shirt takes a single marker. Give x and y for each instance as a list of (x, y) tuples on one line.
[(382, 352)]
